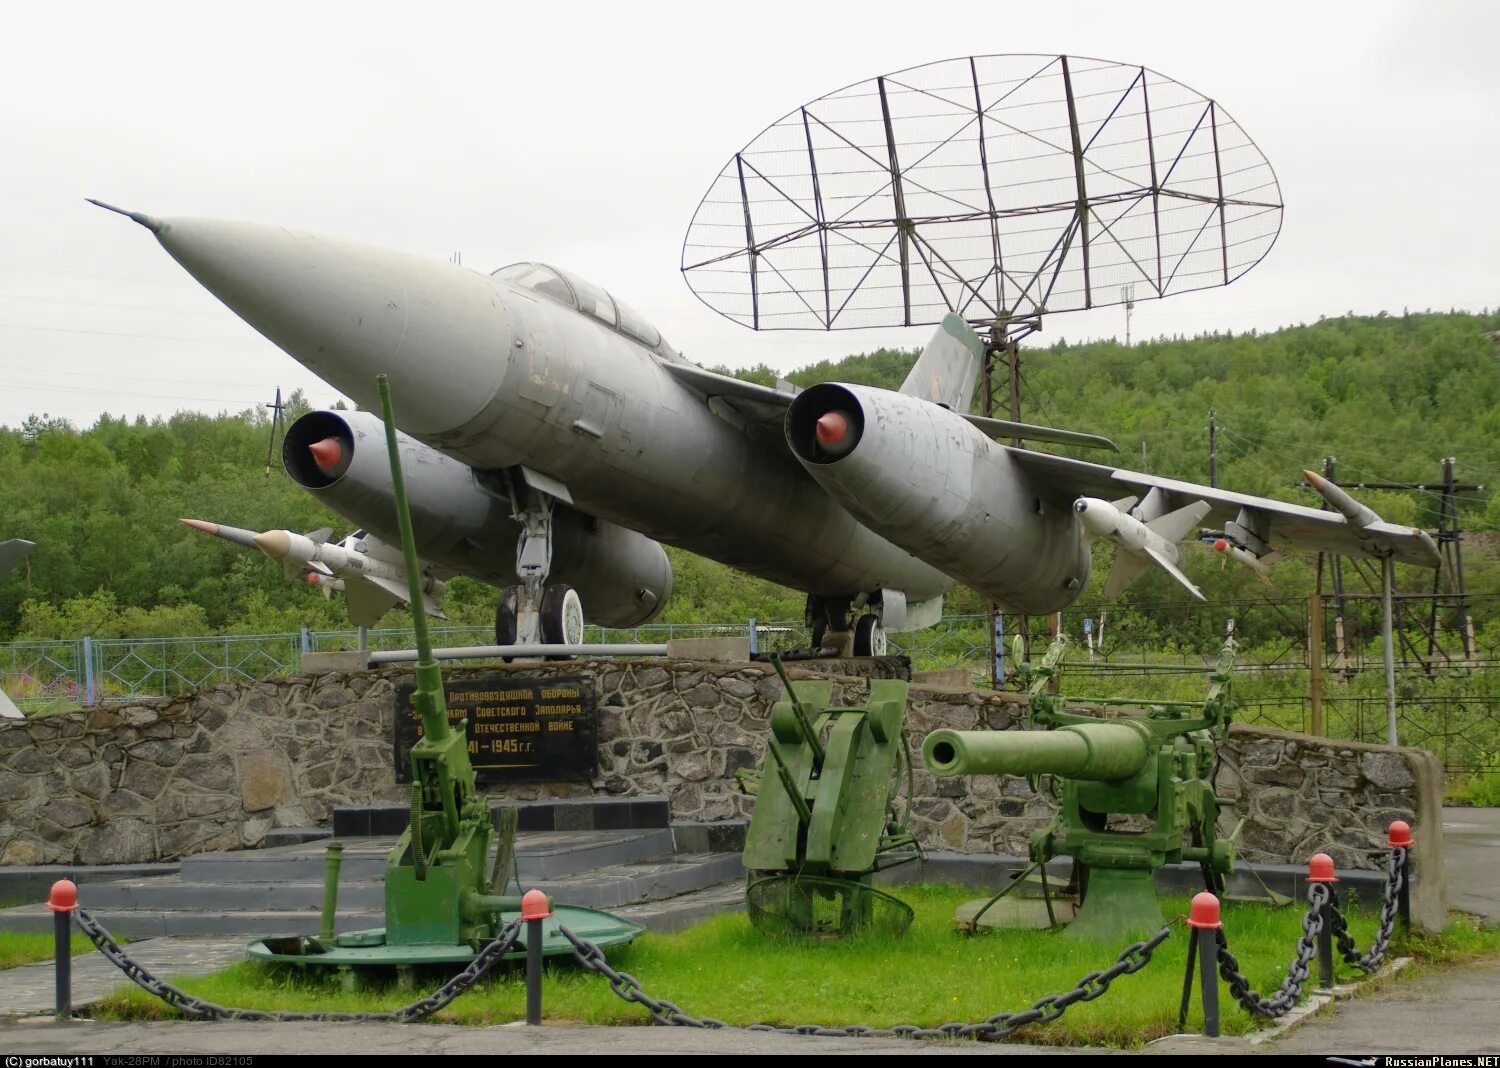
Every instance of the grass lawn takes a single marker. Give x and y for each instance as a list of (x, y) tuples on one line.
[(18, 948), (933, 975)]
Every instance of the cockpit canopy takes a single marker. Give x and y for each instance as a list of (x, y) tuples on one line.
[(569, 289)]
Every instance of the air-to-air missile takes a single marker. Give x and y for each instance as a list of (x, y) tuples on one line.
[(351, 560), (1139, 544), (1359, 515), (365, 569), (314, 575), (1229, 549)]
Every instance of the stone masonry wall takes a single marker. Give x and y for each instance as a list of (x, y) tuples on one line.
[(165, 778)]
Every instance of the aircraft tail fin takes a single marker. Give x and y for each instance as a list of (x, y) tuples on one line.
[(948, 369)]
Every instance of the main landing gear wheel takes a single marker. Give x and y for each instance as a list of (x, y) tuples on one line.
[(869, 636), (562, 617), (507, 610)]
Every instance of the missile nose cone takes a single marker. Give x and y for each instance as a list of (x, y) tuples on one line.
[(832, 428), (1081, 505), (199, 524), (1220, 545), (326, 453), (1315, 480), (274, 543)]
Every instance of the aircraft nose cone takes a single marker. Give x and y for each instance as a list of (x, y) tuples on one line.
[(326, 453), (348, 312), (832, 428)]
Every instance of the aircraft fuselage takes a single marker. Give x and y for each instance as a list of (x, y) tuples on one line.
[(496, 376)]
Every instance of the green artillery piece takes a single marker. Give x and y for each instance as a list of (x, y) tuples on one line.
[(440, 905), (825, 817), (1157, 767)]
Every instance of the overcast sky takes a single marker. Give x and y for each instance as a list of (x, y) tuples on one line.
[(585, 134)]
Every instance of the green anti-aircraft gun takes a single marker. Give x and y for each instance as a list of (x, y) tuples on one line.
[(1156, 768), (441, 906), (825, 816)]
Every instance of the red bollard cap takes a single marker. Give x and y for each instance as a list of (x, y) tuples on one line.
[(1320, 869), (1205, 911), (1400, 834), (534, 905), (64, 896)]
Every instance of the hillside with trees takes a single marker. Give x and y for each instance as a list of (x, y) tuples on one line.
[(1388, 395)]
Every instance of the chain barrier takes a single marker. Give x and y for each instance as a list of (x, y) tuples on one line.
[(1395, 876), (1291, 987), (1001, 1025), (189, 1005)]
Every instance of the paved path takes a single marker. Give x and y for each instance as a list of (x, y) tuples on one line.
[(1455, 1010)]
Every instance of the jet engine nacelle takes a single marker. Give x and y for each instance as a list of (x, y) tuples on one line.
[(924, 478), (623, 578)]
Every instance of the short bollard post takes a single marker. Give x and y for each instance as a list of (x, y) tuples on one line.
[(1400, 838), (1320, 870), (534, 911), (62, 901), (1203, 918)]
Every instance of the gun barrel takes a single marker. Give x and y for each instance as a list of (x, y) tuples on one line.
[(1101, 752)]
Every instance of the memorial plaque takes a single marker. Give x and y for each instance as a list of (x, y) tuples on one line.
[(519, 730)]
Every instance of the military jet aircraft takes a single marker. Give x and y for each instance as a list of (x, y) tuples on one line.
[(535, 406)]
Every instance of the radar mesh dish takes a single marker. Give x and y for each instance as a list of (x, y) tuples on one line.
[(995, 186)]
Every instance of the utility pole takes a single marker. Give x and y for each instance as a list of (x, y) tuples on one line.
[(1451, 569), (1213, 450), (1003, 344), (1449, 539)]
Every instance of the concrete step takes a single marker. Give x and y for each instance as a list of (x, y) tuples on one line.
[(602, 888), (540, 855), (558, 814), (139, 909), (139, 924), (606, 887), (631, 884)]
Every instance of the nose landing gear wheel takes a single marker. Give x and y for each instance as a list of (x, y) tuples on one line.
[(562, 617), (869, 637)]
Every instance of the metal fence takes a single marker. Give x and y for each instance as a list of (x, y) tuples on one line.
[(1115, 653)]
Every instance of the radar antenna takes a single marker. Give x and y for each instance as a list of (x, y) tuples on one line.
[(999, 187)]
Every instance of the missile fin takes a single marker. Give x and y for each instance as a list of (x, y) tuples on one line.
[(1125, 504), (1174, 526), (1128, 567), (1172, 569), (319, 536), (367, 601)]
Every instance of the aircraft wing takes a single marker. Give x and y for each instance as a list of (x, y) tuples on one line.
[(754, 408), (763, 409), (1260, 518)]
